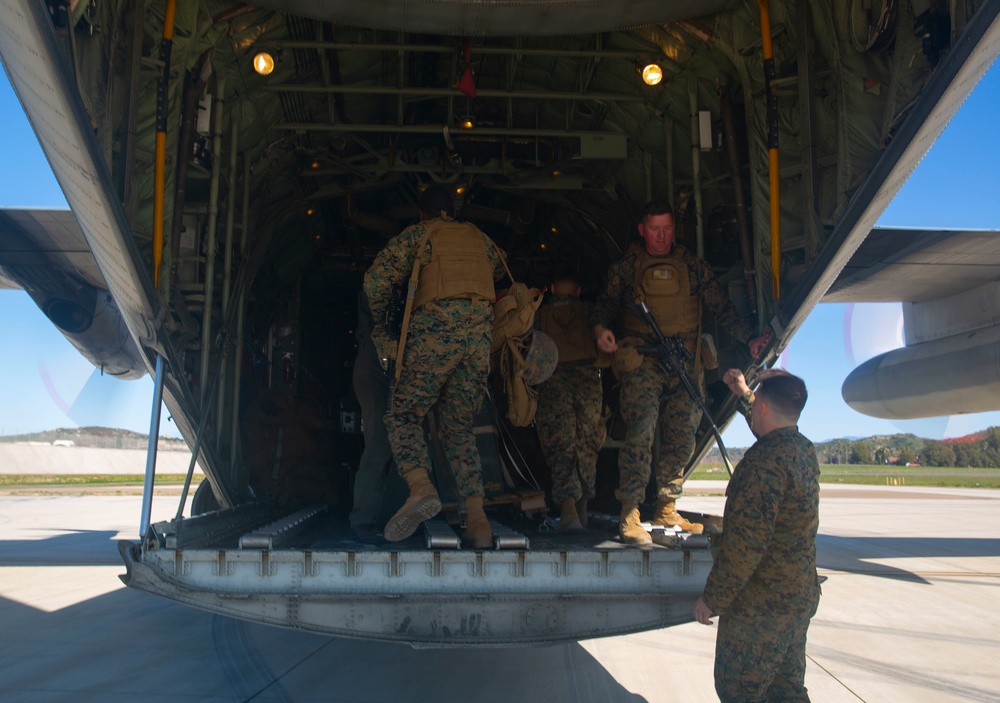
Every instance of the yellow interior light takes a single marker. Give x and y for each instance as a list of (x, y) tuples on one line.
[(315, 164), (310, 211), (263, 63), (652, 74), (556, 174), (554, 230), (467, 123), (459, 190), (541, 246)]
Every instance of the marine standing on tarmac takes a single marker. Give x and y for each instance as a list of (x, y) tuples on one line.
[(445, 357), (674, 284), (570, 423), (764, 582)]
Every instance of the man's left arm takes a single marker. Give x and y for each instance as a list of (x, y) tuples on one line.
[(497, 257), (748, 527), (719, 304)]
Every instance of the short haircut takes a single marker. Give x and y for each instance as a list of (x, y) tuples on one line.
[(565, 274), (656, 207), (434, 200), (785, 393)]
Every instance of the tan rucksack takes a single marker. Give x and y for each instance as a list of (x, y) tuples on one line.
[(513, 320), (521, 396), (514, 314)]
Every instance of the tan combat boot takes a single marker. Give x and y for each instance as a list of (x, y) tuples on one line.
[(581, 511), (569, 521), (666, 514), (423, 504), (630, 528), (478, 533)]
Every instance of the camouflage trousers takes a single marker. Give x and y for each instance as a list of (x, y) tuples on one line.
[(571, 429), (678, 419), (446, 361), (761, 659)]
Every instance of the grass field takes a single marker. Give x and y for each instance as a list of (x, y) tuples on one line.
[(92, 479), (829, 473), (874, 475)]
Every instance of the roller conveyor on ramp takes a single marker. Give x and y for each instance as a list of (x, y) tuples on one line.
[(440, 535)]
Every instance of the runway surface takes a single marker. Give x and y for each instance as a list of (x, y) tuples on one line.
[(908, 614)]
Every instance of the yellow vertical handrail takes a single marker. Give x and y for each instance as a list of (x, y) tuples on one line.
[(774, 182), (160, 162)]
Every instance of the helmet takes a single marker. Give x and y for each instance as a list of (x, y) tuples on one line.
[(541, 359)]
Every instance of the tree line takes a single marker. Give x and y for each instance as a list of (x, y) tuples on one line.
[(979, 450)]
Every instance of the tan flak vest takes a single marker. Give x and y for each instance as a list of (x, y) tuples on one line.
[(565, 321), (664, 283), (459, 266)]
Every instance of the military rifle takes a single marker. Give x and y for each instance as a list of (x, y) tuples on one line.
[(672, 355)]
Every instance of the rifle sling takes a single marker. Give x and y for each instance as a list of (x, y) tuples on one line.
[(411, 290)]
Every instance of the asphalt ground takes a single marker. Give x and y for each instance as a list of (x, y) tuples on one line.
[(908, 614)]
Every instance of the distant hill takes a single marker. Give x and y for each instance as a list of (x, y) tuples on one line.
[(973, 438), (100, 437), (979, 449)]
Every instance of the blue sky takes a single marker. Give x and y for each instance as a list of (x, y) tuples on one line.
[(45, 384)]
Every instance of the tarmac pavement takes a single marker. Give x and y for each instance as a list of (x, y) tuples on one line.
[(908, 614)]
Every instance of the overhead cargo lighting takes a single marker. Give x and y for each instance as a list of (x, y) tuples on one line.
[(467, 123), (263, 63), (652, 74)]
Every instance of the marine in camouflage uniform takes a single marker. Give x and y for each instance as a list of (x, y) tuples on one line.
[(569, 419), (445, 362), (643, 387), (764, 582)]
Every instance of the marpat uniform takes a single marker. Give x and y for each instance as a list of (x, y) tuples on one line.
[(570, 421), (764, 582), (675, 287), (445, 362)]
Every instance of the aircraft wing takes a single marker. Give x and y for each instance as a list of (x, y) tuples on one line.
[(949, 284), (45, 253), (52, 238), (913, 265)]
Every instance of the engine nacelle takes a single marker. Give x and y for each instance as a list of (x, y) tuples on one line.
[(949, 376)]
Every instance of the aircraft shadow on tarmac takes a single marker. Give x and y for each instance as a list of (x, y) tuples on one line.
[(71, 548), (127, 644), (853, 554)]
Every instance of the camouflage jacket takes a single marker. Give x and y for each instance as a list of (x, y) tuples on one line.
[(767, 562), (619, 289), (393, 266)]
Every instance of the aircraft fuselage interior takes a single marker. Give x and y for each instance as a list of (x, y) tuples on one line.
[(234, 168)]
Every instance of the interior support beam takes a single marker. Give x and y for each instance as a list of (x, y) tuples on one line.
[(812, 228), (419, 93)]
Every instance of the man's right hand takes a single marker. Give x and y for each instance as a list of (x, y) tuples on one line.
[(733, 378), (605, 339)]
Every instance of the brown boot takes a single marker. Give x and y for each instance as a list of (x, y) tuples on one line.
[(581, 511), (630, 528), (667, 515), (423, 504), (478, 533), (569, 521)]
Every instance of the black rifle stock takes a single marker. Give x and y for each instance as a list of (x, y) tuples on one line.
[(672, 356)]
